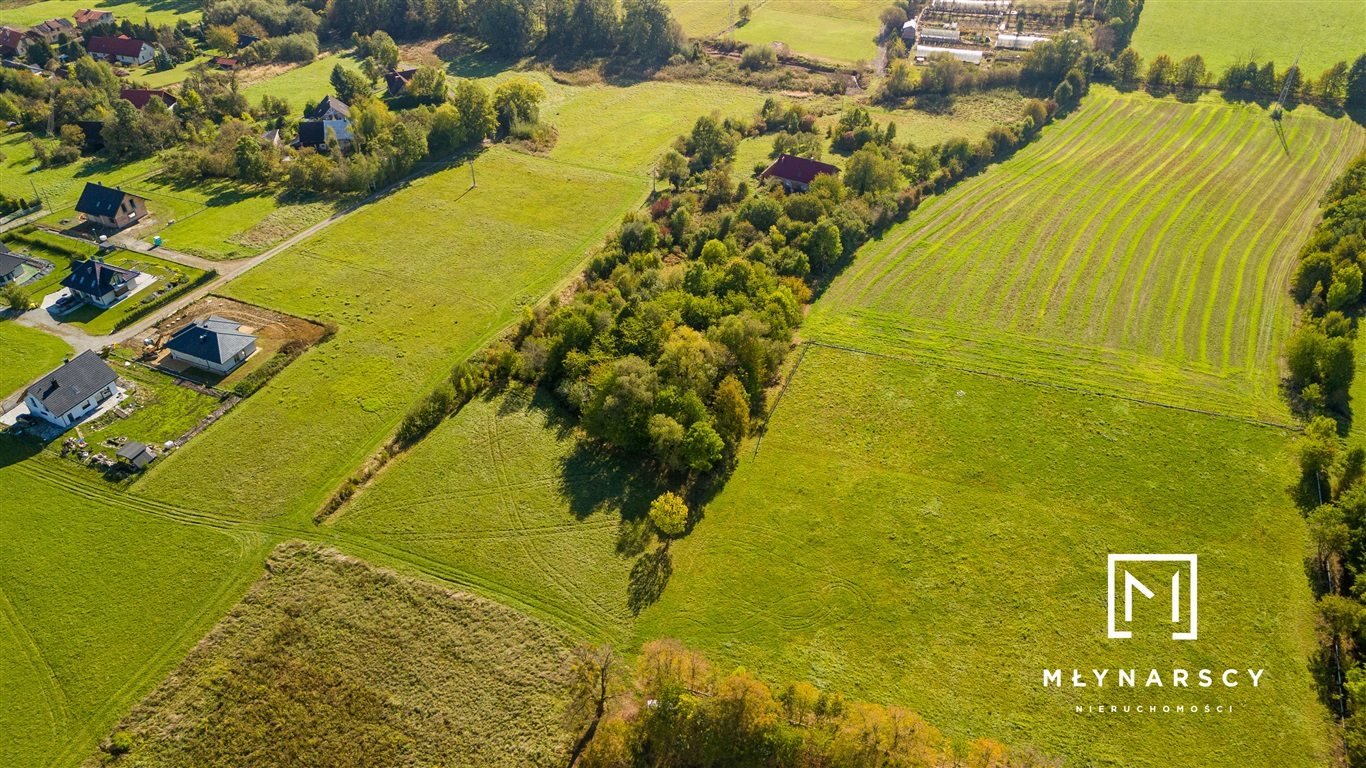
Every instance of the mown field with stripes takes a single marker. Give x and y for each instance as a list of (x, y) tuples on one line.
[(1142, 247)]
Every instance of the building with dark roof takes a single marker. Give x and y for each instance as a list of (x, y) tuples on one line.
[(73, 391), (53, 31), (141, 97), (225, 62), (330, 108), (796, 173), (11, 266), (122, 49), (110, 206), (214, 344), (395, 80), (138, 455), (98, 283), (13, 42)]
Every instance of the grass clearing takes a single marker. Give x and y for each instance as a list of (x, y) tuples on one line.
[(101, 597), (416, 674), (506, 492), (301, 86), (1111, 258), (918, 535), (842, 31), (26, 354), (1319, 32), (157, 11)]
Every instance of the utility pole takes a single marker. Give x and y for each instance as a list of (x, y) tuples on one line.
[(472, 182)]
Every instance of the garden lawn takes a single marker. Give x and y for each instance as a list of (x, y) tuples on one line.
[(932, 538), (101, 596), (26, 354), (1318, 32), (160, 409), (157, 11), (303, 86), (329, 661), (1141, 247), (414, 283), (49, 247), (505, 494), (61, 186), (98, 322)]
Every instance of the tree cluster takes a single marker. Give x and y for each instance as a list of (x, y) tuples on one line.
[(675, 709)]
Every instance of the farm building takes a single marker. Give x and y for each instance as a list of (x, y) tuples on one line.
[(226, 63), (138, 455), (797, 173), (121, 50), (53, 31), (110, 206), (924, 52), (98, 283), (71, 392), (87, 18), (1018, 42), (932, 34), (141, 96), (11, 266), (214, 344)]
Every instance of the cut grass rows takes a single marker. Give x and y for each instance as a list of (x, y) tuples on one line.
[(1154, 233)]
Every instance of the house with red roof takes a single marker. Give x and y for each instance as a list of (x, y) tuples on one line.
[(140, 97), (122, 49), (87, 18), (796, 173)]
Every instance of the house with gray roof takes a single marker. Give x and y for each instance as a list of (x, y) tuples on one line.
[(100, 284), (73, 391), (11, 266), (215, 344), (138, 455), (110, 206)]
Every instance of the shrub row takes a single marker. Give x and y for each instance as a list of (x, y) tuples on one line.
[(161, 301)]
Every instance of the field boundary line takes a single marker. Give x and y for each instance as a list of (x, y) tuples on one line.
[(914, 360)]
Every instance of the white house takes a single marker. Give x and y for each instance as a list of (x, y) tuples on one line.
[(100, 284), (214, 344), (73, 391)]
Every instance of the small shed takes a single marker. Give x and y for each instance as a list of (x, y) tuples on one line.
[(136, 454)]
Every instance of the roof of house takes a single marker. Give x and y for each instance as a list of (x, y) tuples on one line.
[(226, 62), (8, 261), (135, 453), (141, 96), (99, 200), (95, 277), (799, 169), (73, 382), (122, 45), (54, 26), (215, 339), (11, 38), (328, 104), (89, 15), (397, 79)]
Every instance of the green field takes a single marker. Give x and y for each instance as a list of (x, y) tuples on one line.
[(1317, 32), (1138, 248), (159, 12), (302, 86), (374, 669), (838, 30), (923, 536), (102, 596), (28, 354)]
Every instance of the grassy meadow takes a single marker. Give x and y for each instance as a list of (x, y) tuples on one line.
[(924, 536), (28, 354), (1318, 32), (842, 31), (1143, 262), (419, 676), (102, 596), (22, 14)]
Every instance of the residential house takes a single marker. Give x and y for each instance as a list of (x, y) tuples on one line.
[(215, 344), (226, 63), (73, 391), (11, 266), (110, 207), (55, 31), (87, 18), (122, 50), (100, 284), (796, 173), (395, 80), (141, 96), (331, 116), (14, 42), (138, 455)]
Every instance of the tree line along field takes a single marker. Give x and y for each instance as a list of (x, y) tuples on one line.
[(1141, 248), (408, 303), (915, 534), (1319, 33)]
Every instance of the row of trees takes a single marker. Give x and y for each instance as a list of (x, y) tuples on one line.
[(1338, 85), (673, 708), (1328, 287)]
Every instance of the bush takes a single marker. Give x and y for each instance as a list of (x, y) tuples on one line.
[(426, 415), (757, 57)]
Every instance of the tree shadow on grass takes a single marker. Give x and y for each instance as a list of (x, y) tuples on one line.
[(649, 576), (14, 450)]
